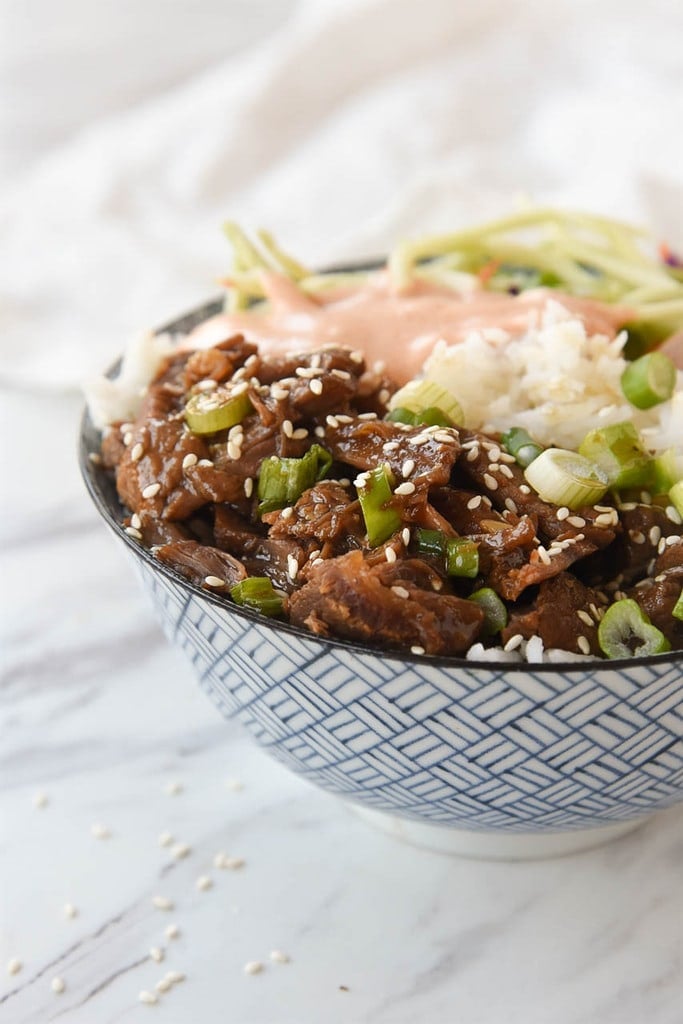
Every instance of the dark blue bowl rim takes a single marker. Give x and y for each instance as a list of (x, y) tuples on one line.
[(102, 491)]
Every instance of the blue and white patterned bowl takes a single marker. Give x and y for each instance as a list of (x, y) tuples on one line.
[(481, 758)]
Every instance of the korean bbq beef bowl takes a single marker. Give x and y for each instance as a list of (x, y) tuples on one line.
[(419, 524)]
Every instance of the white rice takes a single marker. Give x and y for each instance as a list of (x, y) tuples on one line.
[(554, 380), (112, 401)]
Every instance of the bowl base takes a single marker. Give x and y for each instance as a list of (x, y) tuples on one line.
[(495, 845)]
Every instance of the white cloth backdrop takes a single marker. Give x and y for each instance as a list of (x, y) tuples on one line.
[(354, 122)]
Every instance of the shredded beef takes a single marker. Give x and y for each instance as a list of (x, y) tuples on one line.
[(195, 502)]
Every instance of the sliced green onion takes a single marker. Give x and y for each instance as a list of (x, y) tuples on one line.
[(462, 557), (678, 607), (375, 494), (495, 612), (566, 478), (257, 592), (626, 632), (401, 415), (619, 451), (649, 380), (209, 412), (431, 542), (418, 395), (676, 495), (282, 481), (434, 417), (668, 470), (520, 444)]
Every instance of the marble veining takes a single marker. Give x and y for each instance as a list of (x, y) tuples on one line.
[(101, 715)]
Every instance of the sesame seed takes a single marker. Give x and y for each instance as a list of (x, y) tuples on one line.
[(242, 387), (604, 519), (234, 785), (585, 617), (57, 985), (165, 839), (235, 432), (278, 957), (472, 455), (390, 446), (214, 581), (40, 800), (418, 440), (14, 965), (151, 491), (514, 642), (407, 468), (562, 513), (367, 416), (384, 396), (406, 488), (253, 967), (315, 386), (100, 832), (128, 437), (234, 450), (136, 452), (162, 903), (506, 471), (543, 554), (171, 931), (248, 487), (156, 954), (341, 374), (292, 567), (300, 433), (390, 555), (189, 460), (204, 883), (132, 532), (636, 536), (174, 788), (287, 428), (319, 432), (181, 850), (278, 393), (70, 911), (332, 421), (307, 371), (125, 428), (673, 515), (163, 985), (583, 643), (147, 997), (314, 554), (474, 502), (401, 592), (95, 458), (405, 536), (655, 535), (416, 649), (317, 561), (288, 512), (357, 357), (646, 497), (206, 385), (343, 418), (577, 521), (233, 863), (174, 977), (490, 482), (525, 489), (670, 541), (510, 506)]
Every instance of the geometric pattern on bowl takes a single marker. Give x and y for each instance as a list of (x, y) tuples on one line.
[(504, 748)]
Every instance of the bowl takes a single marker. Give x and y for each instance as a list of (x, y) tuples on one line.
[(476, 758)]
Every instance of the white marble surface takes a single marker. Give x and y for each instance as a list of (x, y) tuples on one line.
[(101, 715)]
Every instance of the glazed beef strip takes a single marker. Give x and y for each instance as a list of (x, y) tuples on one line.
[(657, 595), (347, 597), (564, 611)]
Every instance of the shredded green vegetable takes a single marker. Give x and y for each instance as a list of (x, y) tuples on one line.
[(582, 254)]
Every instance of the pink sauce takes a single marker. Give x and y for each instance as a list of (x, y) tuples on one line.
[(398, 328)]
